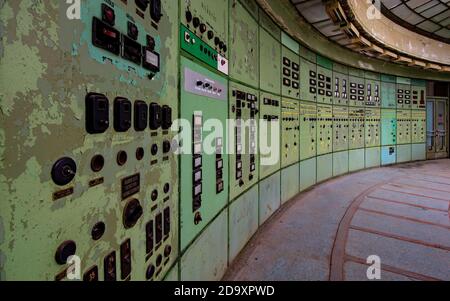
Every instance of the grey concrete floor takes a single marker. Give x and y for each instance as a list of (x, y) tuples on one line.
[(400, 214)]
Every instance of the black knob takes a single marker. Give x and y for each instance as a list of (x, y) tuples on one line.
[(224, 48), (98, 230), (188, 16), (166, 146), (221, 44), (216, 41), (154, 149), (210, 34), (150, 272), (63, 171), (132, 213), (196, 22), (202, 27), (64, 251)]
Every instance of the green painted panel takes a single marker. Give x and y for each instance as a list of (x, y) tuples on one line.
[(244, 41), (419, 152), (196, 215), (324, 167), (291, 74), (213, 14), (250, 5), (356, 128), (388, 127), (244, 164), (341, 88), (404, 153), (340, 163), (404, 97), (324, 85), (340, 128), (290, 181), (356, 160), (270, 111), (308, 173), (290, 43), (418, 126), (266, 22), (356, 72), (270, 63), (340, 68), (372, 76), (389, 78), (324, 62), (308, 130), (290, 132), (404, 126), (373, 127), (308, 80), (324, 129), (308, 54), (269, 196), (173, 274), (243, 221), (373, 157), (388, 95), (53, 64), (419, 83), (197, 264), (403, 81), (357, 92)]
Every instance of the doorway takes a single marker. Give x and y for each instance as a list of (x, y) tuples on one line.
[(437, 128)]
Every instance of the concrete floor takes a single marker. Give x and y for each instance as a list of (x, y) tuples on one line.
[(401, 214)]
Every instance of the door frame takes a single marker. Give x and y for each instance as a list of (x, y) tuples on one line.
[(434, 153)]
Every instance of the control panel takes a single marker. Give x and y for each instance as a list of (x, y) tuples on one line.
[(418, 97), (204, 165), (324, 85), (388, 95), (404, 96), (373, 127), (373, 93), (357, 91), (356, 128), (270, 116), (388, 127), (290, 131), (308, 130), (243, 138), (204, 31), (403, 126), (340, 128), (244, 41), (290, 74), (418, 126), (94, 181), (308, 80), (324, 129), (269, 62), (340, 87)]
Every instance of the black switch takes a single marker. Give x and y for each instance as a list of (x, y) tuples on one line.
[(166, 117), (97, 113), (149, 237), (64, 251), (155, 116), (125, 259), (196, 22), (158, 228), (110, 267), (166, 221), (122, 114), (132, 213), (210, 34), (63, 171), (155, 10), (91, 275), (166, 146), (133, 31), (142, 4), (108, 15), (105, 36), (140, 115)]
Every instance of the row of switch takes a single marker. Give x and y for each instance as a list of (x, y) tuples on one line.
[(203, 28), (97, 115)]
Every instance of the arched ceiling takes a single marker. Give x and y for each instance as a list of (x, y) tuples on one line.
[(409, 32)]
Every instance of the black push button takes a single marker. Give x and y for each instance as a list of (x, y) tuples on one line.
[(166, 146), (63, 171), (166, 221), (155, 116), (149, 232), (97, 113), (122, 114), (150, 272), (98, 230), (64, 251), (155, 10), (132, 213), (108, 15), (140, 115), (133, 31), (166, 117)]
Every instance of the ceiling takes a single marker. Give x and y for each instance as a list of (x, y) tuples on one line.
[(427, 17)]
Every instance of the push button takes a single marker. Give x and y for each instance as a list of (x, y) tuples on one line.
[(155, 116), (122, 114), (64, 251), (97, 113), (140, 116)]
